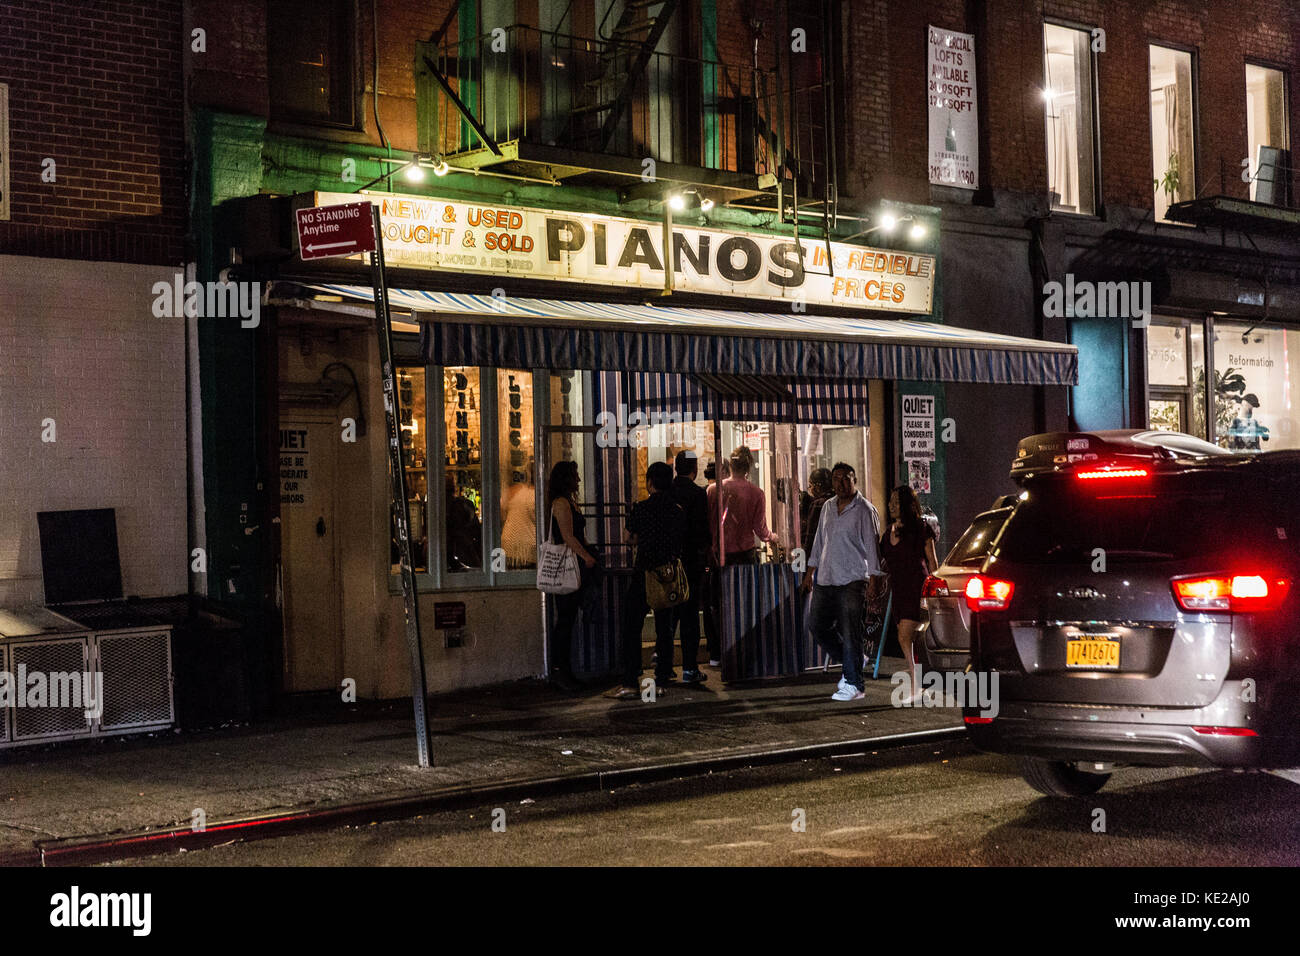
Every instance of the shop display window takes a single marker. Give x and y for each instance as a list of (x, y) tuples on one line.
[(1173, 132), (413, 423), (1256, 379), (1176, 376), (1267, 134), (463, 469), (1068, 99), (516, 468)]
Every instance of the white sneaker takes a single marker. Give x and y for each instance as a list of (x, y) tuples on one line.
[(842, 684), (848, 693)]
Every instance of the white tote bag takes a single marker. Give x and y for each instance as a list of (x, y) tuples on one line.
[(557, 566)]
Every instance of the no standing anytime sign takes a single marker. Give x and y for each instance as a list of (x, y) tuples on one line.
[(342, 230)]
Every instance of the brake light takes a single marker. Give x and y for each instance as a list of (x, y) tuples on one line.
[(1238, 593), (1226, 731), (984, 593), (934, 586), (978, 720), (1112, 472)]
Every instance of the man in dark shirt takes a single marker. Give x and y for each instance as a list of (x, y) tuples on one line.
[(694, 502), (657, 527)]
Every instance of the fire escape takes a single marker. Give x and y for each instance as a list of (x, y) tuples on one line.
[(625, 108)]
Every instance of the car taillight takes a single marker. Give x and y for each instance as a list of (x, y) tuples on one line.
[(1238, 593), (934, 586), (984, 593), (1226, 731), (1111, 471)]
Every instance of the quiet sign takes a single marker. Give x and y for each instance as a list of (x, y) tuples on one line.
[(342, 230)]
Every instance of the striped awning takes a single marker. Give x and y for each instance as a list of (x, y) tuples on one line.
[(512, 332), (720, 397)]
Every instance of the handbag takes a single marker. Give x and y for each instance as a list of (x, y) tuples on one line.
[(667, 586), (557, 567)]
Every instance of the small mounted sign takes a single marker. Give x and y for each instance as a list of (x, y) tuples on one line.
[(342, 230)]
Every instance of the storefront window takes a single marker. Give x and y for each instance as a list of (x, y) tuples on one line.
[(463, 463), (1068, 99), (1256, 377), (1173, 146), (515, 468), (1176, 376), (413, 422), (1266, 132)]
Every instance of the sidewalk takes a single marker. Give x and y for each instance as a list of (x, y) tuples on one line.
[(507, 733)]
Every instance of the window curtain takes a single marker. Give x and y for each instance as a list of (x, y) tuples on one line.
[(1066, 146)]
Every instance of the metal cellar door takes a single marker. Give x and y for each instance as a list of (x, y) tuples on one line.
[(313, 639)]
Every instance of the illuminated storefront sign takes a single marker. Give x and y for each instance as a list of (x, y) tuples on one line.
[(422, 233)]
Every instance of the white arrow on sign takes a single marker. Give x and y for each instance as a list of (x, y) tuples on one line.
[(330, 245)]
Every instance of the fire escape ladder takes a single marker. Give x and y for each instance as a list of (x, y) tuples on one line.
[(632, 41)]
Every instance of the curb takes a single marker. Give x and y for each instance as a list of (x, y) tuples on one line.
[(103, 848)]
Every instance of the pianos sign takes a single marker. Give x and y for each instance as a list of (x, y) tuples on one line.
[(424, 233)]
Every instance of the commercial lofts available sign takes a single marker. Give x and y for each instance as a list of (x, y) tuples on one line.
[(519, 242), (954, 121)]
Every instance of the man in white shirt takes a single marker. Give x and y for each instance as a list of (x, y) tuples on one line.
[(847, 554)]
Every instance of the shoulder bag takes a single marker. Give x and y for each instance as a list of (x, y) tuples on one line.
[(557, 565), (667, 586)]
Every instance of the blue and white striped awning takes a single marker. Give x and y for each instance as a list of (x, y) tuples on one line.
[(513, 332)]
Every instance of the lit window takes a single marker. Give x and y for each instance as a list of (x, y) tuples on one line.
[(463, 461), (1173, 144), (515, 467), (413, 423), (1267, 135), (1068, 99)]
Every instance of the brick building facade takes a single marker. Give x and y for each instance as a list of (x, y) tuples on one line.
[(92, 382)]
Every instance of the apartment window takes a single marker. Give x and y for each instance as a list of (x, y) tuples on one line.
[(312, 68), (1068, 96), (1173, 143), (1267, 134)]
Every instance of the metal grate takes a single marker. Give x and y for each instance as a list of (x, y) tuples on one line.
[(48, 658), (137, 672), (4, 712)]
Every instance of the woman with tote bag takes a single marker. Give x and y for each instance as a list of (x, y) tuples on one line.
[(567, 526)]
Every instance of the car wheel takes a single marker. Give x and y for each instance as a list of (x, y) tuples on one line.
[(1058, 779)]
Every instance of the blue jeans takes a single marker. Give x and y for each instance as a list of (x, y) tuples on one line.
[(836, 624)]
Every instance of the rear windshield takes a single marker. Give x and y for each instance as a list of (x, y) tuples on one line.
[(1169, 519), (973, 546)]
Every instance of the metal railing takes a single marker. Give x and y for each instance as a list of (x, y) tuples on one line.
[(528, 85)]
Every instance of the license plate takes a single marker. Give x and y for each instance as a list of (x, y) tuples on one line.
[(1093, 653)]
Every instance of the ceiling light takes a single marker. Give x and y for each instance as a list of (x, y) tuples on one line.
[(888, 222), (676, 202), (918, 231), (441, 169), (414, 173), (706, 205), (1048, 94)]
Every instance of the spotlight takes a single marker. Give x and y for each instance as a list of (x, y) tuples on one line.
[(676, 202), (888, 223), (706, 205), (441, 169), (414, 173), (917, 231)]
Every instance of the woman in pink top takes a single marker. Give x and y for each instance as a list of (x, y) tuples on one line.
[(744, 512)]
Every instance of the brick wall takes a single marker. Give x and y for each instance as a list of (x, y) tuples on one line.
[(79, 344), (886, 118), (96, 88)]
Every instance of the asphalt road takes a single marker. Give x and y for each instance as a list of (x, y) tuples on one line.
[(940, 805)]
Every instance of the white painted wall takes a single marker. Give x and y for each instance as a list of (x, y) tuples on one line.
[(79, 344)]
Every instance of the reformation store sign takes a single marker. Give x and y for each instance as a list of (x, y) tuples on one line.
[(521, 242)]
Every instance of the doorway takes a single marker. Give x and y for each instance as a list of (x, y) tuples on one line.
[(313, 638)]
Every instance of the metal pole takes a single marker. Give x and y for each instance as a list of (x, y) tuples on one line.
[(399, 506)]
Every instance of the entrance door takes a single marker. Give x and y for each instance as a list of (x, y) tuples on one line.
[(313, 639)]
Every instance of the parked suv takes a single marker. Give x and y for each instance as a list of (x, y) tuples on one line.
[(1140, 606)]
